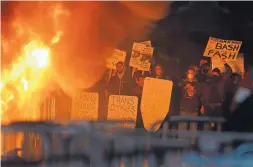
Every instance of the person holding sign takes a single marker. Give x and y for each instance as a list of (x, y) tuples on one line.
[(120, 84), (212, 93)]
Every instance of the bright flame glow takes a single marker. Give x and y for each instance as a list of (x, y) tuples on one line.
[(25, 77), (41, 56), (25, 83)]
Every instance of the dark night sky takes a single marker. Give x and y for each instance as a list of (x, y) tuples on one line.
[(185, 32)]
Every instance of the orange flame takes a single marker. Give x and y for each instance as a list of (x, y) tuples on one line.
[(25, 77)]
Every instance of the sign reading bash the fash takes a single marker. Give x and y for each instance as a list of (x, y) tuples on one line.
[(226, 49), (118, 55), (85, 106), (155, 101), (123, 108)]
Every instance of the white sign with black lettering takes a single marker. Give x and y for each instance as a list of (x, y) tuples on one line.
[(123, 108), (85, 106)]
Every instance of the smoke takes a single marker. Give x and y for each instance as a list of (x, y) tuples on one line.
[(89, 31)]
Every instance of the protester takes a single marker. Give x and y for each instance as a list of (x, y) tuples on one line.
[(202, 71), (137, 91), (230, 89), (190, 102), (121, 83), (241, 118), (159, 72), (244, 90), (212, 92)]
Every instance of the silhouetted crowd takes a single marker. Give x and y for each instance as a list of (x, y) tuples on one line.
[(202, 91)]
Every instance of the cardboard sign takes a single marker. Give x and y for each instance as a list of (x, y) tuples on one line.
[(118, 55), (236, 65), (85, 106), (123, 108), (136, 54), (146, 58), (141, 56), (226, 49), (147, 43), (155, 102)]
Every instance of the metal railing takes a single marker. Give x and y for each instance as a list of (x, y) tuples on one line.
[(107, 144)]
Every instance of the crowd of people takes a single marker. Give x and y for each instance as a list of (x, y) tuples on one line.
[(202, 91)]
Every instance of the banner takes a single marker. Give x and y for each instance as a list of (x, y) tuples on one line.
[(85, 106), (118, 55), (236, 65), (226, 49), (141, 56), (123, 108), (155, 102)]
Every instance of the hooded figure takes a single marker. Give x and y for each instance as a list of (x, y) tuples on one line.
[(212, 92)]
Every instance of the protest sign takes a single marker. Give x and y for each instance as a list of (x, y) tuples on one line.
[(226, 49), (141, 56), (118, 55), (147, 43), (237, 65), (155, 102), (146, 58), (85, 106), (136, 54), (123, 108)]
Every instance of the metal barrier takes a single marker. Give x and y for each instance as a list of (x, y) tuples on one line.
[(107, 144)]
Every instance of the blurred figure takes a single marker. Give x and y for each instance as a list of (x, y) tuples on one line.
[(139, 78), (241, 118), (244, 90), (103, 95), (230, 89), (121, 83), (159, 72), (212, 92)]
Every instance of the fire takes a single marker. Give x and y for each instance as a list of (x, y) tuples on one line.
[(24, 78), (79, 34)]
